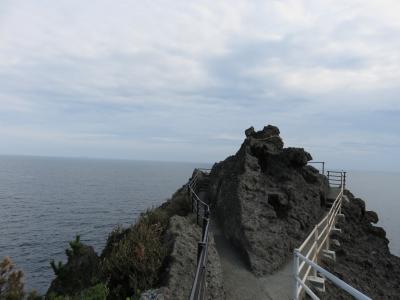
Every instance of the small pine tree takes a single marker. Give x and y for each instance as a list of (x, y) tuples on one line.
[(76, 247)]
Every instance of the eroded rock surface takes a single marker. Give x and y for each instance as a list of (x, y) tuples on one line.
[(185, 234), (267, 199), (363, 258)]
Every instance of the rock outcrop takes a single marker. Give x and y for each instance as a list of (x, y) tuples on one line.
[(266, 198), (184, 234), (363, 258)]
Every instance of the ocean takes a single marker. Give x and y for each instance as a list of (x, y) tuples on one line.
[(46, 202)]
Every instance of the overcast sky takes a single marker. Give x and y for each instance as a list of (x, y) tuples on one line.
[(182, 80)]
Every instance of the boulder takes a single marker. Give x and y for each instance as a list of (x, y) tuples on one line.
[(371, 216), (249, 131)]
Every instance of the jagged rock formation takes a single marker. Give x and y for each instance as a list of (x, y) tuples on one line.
[(363, 258), (266, 198)]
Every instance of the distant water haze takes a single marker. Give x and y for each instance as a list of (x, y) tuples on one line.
[(45, 202)]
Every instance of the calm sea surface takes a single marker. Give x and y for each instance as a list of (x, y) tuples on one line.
[(45, 202)]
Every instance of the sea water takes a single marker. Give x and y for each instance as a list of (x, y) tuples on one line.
[(46, 202)]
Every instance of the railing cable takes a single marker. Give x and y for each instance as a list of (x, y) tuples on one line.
[(199, 286)]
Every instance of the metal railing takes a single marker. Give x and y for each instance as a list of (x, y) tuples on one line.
[(202, 210), (307, 256), (338, 282), (336, 178)]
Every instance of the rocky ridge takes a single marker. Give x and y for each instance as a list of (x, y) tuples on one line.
[(266, 199)]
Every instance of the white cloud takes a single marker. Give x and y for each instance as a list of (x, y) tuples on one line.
[(188, 71)]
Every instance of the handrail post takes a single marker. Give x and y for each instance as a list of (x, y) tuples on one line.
[(190, 196), (341, 179), (344, 180), (200, 246), (316, 248), (295, 274), (323, 168), (197, 211), (205, 222), (328, 243)]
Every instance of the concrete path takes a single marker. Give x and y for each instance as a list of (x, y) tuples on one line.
[(241, 284)]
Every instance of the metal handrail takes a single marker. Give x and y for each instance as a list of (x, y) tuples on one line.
[(309, 254), (317, 233), (338, 282), (198, 290), (336, 178)]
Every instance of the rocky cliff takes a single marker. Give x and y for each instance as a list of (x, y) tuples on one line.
[(267, 198)]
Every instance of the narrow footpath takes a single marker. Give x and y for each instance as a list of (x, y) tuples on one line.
[(240, 283)]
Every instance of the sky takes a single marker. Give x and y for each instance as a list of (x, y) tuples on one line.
[(182, 80)]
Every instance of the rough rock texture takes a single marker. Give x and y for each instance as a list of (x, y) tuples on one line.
[(363, 258), (156, 294), (185, 234), (266, 198)]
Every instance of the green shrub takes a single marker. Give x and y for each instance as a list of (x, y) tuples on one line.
[(131, 261), (179, 204), (97, 292), (79, 273), (134, 261), (57, 268), (77, 248), (34, 296)]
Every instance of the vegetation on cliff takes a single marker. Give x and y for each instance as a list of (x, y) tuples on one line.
[(132, 261)]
